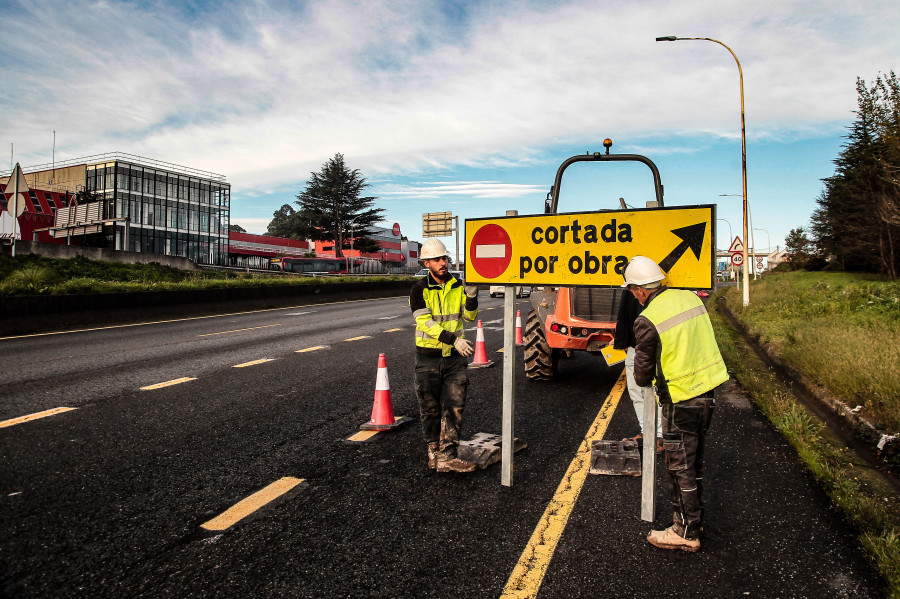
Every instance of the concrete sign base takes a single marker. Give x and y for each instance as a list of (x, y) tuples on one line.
[(615, 457), (484, 449)]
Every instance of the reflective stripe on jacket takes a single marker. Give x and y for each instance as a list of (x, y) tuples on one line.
[(675, 335), (439, 311)]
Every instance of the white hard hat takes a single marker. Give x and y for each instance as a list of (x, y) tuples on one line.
[(642, 271), (433, 248)]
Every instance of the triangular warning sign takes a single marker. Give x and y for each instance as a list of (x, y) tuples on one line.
[(15, 186), (736, 245)]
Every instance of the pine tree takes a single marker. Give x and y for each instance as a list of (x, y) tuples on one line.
[(854, 225), (331, 208), (799, 247), (282, 223)]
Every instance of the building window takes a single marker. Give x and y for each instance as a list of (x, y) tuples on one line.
[(36, 203)]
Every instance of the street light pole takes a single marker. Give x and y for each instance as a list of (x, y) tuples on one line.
[(730, 236), (768, 238), (352, 235), (672, 38)]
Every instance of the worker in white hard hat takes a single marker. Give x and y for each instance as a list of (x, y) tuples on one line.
[(440, 304), (676, 351)]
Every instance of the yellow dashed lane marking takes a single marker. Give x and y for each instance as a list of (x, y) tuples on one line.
[(363, 436), (239, 330), (526, 577), (366, 435), (253, 363), (392, 330), (169, 383), (34, 416), (358, 338), (314, 348), (245, 507)]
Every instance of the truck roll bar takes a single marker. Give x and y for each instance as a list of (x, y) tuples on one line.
[(552, 200)]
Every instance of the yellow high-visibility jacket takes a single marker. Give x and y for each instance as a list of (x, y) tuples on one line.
[(439, 311), (676, 347)]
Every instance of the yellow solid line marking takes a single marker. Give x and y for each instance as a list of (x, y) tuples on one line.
[(392, 330), (168, 383), (239, 330), (253, 363), (526, 577), (314, 348), (34, 416), (358, 338), (247, 506)]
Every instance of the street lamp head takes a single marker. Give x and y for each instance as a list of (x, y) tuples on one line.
[(667, 38)]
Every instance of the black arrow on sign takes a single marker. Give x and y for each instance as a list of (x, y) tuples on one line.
[(691, 238)]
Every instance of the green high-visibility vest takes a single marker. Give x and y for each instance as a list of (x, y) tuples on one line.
[(688, 356)]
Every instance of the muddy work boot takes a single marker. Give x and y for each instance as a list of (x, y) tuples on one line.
[(669, 539), (455, 465), (432, 456)]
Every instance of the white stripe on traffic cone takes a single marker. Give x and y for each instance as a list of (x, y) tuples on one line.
[(481, 359)]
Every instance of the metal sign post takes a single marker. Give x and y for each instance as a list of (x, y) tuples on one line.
[(507, 447), (648, 472)]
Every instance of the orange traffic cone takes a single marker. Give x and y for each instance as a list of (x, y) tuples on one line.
[(519, 340), (481, 359), (382, 410)]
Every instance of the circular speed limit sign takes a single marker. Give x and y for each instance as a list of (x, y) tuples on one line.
[(737, 259)]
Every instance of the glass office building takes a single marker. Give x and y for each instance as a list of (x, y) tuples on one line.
[(167, 209)]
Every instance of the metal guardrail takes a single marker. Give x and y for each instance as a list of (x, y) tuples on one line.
[(280, 273)]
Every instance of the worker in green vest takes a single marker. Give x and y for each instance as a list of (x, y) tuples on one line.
[(676, 351), (440, 304)]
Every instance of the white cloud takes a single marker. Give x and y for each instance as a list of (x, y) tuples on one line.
[(474, 189), (252, 225), (265, 94)]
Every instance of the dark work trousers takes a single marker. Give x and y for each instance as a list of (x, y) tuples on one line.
[(441, 389), (684, 426)]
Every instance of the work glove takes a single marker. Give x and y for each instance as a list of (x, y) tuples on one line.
[(471, 290), (463, 347)]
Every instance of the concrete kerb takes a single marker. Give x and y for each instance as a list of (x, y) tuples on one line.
[(883, 443)]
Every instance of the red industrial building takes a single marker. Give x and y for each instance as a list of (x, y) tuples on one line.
[(40, 210), (396, 254)]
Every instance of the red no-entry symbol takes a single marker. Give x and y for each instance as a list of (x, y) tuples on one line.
[(490, 251)]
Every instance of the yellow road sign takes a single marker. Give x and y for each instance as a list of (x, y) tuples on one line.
[(592, 248)]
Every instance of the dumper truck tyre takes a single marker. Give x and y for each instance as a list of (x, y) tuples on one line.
[(540, 358)]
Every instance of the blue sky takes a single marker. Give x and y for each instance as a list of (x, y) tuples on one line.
[(467, 107)]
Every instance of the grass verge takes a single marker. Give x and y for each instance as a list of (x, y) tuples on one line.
[(839, 329), (863, 496), (36, 275)]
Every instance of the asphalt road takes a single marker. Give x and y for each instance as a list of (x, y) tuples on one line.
[(108, 499)]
